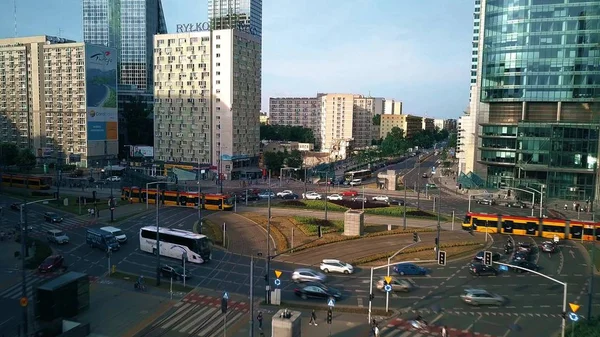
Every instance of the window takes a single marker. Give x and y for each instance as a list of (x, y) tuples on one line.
[(218, 46), (218, 82), (218, 55)]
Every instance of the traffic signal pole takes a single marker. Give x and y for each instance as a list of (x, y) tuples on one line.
[(387, 294)]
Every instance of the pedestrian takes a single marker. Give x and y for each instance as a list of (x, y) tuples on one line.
[(376, 331), (259, 318), (444, 331), (313, 318)]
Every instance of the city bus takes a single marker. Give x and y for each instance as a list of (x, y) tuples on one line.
[(532, 226), (361, 174), (31, 182), (175, 243), (211, 202)]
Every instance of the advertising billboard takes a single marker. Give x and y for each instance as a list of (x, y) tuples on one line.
[(141, 151), (101, 92)]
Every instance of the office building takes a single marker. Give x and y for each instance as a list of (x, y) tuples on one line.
[(540, 96), (129, 27), (244, 15), (363, 130), (438, 123), (207, 100), (392, 107), (59, 98)]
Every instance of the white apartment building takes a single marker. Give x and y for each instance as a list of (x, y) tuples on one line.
[(207, 92), (363, 130), (392, 107), (59, 98), (296, 111)]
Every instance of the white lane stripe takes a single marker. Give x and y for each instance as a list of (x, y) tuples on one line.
[(196, 319), (176, 318), (183, 307)]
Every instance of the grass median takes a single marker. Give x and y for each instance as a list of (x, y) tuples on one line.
[(454, 251), (594, 252), (212, 230)]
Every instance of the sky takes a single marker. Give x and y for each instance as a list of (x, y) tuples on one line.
[(415, 51)]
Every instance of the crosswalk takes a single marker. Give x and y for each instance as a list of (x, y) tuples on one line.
[(403, 328), (33, 280), (39, 227), (197, 315)]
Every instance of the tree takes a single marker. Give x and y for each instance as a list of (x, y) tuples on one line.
[(294, 159), (274, 160), (394, 143), (287, 133), (26, 159), (9, 154), (452, 142), (140, 127), (377, 120)]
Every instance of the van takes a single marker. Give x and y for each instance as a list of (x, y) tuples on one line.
[(355, 182), (119, 235), (98, 238)]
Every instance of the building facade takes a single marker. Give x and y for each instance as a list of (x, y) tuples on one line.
[(363, 130), (264, 119), (240, 14), (450, 125), (207, 98), (51, 102), (392, 107), (128, 26), (427, 124), (540, 84), (296, 111), (438, 123), (388, 122)]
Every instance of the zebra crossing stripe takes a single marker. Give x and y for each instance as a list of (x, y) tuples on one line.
[(175, 317), (196, 320), (16, 291)]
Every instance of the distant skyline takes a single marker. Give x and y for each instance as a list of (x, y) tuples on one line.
[(418, 52)]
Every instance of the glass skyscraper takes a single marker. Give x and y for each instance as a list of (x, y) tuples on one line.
[(540, 96), (245, 14)]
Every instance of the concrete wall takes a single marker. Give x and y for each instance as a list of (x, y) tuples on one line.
[(286, 327), (354, 223)]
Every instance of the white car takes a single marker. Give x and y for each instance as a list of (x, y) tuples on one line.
[(335, 197), (329, 265), (383, 198), (284, 193), (113, 178), (355, 182), (308, 275), (312, 196)]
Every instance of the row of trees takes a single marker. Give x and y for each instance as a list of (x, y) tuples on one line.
[(276, 160), (287, 133), (11, 155)]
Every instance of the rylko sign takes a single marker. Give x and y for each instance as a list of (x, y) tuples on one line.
[(206, 26)]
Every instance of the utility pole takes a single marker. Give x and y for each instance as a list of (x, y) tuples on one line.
[(404, 220), (268, 256), (418, 181), (593, 271), (112, 200)]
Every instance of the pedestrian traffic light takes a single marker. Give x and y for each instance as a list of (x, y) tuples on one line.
[(223, 305), (371, 297), (442, 258), (329, 316), (487, 258), (415, 237)]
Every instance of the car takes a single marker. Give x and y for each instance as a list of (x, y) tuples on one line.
[(317, 290), (266, 195), (15, 206), (524, 264), (329, 265), (479, 256), (486, 201), (383, 198), (52, 217), (394, 201), (350, 193), (520, 256), (397, 285), (51, 263), (478, 297), (518, 204), (525, 247), (409, 269), (292, 196), (176, 272), (284, 193), (548, 247), (308, 275), (335, 197), (431, 186), (356, 182), (479, 269), (113, 179), (424, 175), (312, 196), (359, 198), (57, 236)]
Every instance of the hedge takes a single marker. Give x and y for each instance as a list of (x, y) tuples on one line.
[(310, 226), (381, 256)]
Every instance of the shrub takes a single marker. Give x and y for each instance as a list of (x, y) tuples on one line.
[(382, 256), (359, 204), (292, 203), (42, 251), (310, 226)]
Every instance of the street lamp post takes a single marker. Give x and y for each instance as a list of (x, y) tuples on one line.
[(418, 182), (268, 256), (541, 192), (111, 202), (326, 186), (404, 216), (387, 294), (199, 198), (252, 293), (439, 223), (532, 197), (157, 223)]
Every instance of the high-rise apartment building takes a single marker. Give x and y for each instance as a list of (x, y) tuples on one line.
[(427, 124), (207, 97), (392, 107), (128, 26), (296, 111), (388, 122), (539, 117), (239, 14), (363, 130), (59, 98)]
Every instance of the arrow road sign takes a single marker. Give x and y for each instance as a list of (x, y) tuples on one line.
[(278, 273), (388, 279), (331, 302), (573, 316), (225, 295), (574, 307)]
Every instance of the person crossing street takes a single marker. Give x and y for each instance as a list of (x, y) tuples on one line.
[(313, 318), (259, 318)]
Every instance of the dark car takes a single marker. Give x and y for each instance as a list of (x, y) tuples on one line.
[(316, 290), (52, 217), (518, 204), (292, 196), (479, 256), (15, 206), (409, 269), (486, 201), (549, 247), (479, 269), (424, 175), (398, 202), (525, 247), (524, 264), (51, 263), (174, 271), (521, 256)]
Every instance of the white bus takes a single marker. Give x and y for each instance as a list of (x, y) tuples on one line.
[(175, 242)]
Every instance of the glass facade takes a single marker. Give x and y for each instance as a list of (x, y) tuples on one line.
[(541, 50), (226, 14)]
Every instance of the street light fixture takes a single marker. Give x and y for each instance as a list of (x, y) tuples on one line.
[(541, 192), (532, 197), (157, 201)]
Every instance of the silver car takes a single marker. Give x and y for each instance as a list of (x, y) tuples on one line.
[(308, 275), (397, 285), (478, 297)]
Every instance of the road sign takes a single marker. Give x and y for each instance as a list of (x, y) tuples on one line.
[(388, 279), (277, 273), (387, 288), (225, 295), (573, 316), (574, 307), (277, 282), (331, 302), (23, 301)]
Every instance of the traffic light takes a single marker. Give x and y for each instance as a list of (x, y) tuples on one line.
[(415, 237), (442, 258), (563, 315), (223, 305), (329, 316), (487, 258), (371, 297), (437, 241)]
